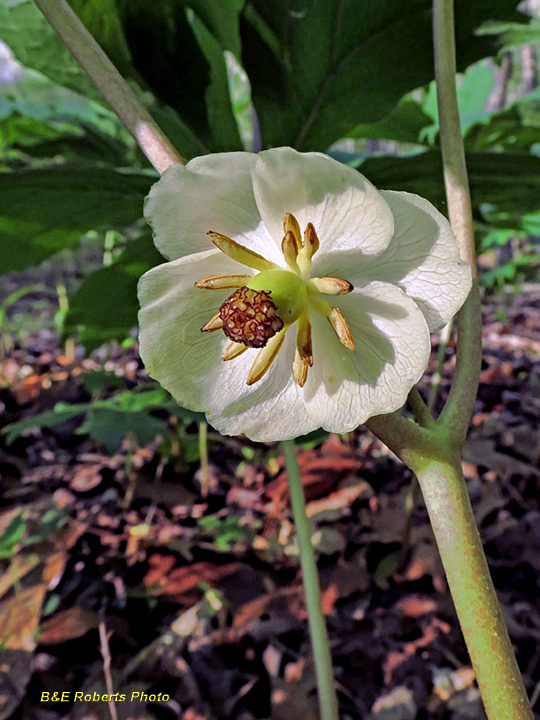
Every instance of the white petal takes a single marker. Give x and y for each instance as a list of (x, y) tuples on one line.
[(270, 410), (174, 350), (213, 192), (346, 210), (344, 387), (422, 259), (188, 362)]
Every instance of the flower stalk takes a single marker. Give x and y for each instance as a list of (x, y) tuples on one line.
[(439, 473), (317, 627), (475, 600), (123, 101)]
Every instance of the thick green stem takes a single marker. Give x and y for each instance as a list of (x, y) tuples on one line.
[(475, 600), (433, 453), (110, 83), (317, 627), (458, 410)]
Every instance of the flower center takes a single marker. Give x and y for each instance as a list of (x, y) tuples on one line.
[(263, 306)]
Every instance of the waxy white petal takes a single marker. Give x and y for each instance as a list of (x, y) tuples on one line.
[(174, 350), (344, 388), (270, 410), (344, 207), (422, 259), (213, 192)]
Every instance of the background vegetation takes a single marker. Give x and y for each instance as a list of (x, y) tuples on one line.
[(93, 450)]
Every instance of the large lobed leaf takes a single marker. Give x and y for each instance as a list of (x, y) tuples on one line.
[(319, 69)]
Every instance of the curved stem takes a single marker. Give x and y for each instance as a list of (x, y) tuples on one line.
[(110, 83), (420, 409), (475, 600), (317, 627), (458, 410)]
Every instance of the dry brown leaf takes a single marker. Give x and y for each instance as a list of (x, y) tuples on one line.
[(416, 606), (86, 477), (18, 568), (189, 577), (67, 625), (340, 499), (19, 619)]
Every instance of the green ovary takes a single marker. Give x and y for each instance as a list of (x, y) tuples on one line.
[(288, 292)]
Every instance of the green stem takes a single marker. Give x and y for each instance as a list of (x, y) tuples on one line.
[(420, 409), (475, 600), (203, 452), (444, 338), (458, 410), (317, 627), (433, 454), (110, 83)]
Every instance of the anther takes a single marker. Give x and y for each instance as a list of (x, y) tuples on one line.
[(265, 358), (341, 328), (300, 369), (216, 323), (290, 224), (290, 251), (219, 282), (332, 286), (233, 350), (303, 340), (239, 253), (311, 240)]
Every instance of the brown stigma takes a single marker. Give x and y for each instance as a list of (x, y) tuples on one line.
[(250, 317)]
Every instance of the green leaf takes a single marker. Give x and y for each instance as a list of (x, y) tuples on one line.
[(107, 421), (12, 535), (35, 44), (221, 19), (105, 307), (319, 69), (59, 414), (43, 211), (512, 34), (103, 22), (473, 90), (109, 427), (177, 49), (404, 123), (223, 127), (493, 178)]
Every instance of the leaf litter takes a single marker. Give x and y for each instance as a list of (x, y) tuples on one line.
[(201, 595)]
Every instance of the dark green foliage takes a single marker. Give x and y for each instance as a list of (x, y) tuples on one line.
[(105, 306), (319, 71), (45, 210), (109, 421)]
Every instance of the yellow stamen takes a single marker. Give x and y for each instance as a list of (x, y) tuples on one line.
[(290, 251), (290, 224), (332, 286), (341, 328), (265, 357), (219, 282), (300, 369), (239, 253), (303, 340), (233, 350), (216, 323), (311, 240)]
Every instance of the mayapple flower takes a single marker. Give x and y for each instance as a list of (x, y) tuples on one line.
[(296, 295)]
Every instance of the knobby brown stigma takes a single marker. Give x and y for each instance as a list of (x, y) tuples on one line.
[(250, 317)]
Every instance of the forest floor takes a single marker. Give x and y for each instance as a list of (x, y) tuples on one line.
[(144, 571)]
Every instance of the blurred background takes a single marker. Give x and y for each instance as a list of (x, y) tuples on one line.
[(140, 551)]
